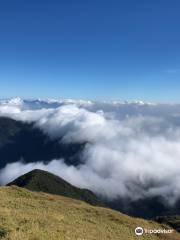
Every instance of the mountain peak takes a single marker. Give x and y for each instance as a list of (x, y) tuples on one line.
[(43, 181), (15, 101)]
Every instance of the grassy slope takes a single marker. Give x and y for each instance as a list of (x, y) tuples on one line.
[(39, 216)]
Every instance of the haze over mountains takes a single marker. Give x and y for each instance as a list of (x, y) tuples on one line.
[(117, 150)]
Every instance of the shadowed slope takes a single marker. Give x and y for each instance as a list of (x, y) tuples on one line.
[(43, 181), (172, 221), (19, 140)]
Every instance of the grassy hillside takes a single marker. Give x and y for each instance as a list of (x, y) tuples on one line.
[(43, 181), (39, 216)]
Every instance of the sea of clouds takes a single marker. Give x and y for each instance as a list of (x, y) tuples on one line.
[(132, 148)]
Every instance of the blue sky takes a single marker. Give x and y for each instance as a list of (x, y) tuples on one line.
[(98, 49)]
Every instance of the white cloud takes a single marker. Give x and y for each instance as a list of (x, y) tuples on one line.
[(131, 149)]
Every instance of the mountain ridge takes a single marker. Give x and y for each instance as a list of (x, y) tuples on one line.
[(43, 181)]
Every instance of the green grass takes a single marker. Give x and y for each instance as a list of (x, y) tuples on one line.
[(26, 215)]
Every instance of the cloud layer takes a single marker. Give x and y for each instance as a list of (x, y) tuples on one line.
[(132, 149)]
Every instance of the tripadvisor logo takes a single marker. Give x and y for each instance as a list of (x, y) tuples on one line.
[(139, 231)]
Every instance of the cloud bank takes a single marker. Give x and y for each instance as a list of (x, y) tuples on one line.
[(132, 149)]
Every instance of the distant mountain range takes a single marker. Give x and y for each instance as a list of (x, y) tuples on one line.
[(52, 102)]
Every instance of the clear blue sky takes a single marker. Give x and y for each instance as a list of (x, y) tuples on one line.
[(97, 49)]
